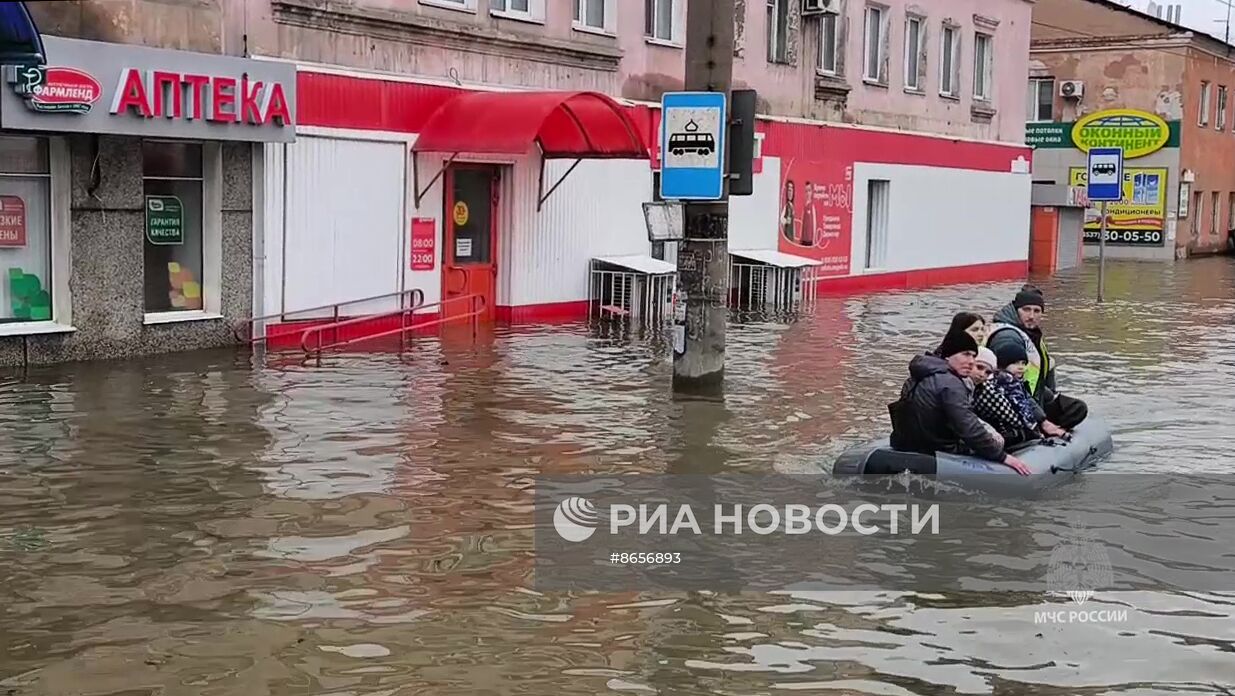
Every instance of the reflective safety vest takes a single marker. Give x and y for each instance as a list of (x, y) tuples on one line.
[(1039, 363)]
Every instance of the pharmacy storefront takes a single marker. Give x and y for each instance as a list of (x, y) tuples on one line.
[(126, 197), (1143, 225)]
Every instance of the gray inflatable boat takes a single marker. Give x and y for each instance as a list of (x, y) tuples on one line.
[(1053, 462)]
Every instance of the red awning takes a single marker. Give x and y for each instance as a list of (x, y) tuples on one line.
[(566, 125)]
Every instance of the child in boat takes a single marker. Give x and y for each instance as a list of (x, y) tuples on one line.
[(1012, 360), (990, 403)]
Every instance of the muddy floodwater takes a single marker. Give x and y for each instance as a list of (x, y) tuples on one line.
[(215, 524)]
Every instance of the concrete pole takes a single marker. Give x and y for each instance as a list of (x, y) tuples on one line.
[(703, 256)]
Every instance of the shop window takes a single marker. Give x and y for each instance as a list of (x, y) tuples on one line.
[(173, 189), (25, 230), (878, 211)]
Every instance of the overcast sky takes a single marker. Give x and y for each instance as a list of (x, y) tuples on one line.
[(1207, 16)]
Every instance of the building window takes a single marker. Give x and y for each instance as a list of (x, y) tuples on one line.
[(464, 5), (829, 44), (1213, 214), (1205, 104), (1041, 99), (983, 64), (1198, 202), (915, 52), (596, 15), (172, 184), (25, 230), (876, 46), (778, 31), (950, 62), (1221, 107), (526, 10), (660, 20), (878, 207)]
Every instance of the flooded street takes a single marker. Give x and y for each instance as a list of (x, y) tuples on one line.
[(197, 524)]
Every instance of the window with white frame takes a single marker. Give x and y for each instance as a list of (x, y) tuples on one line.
[(950, 61), (173, 183), (660, 20), (829, 44), (25, 230), (527, 10), (915, 52), (464, 5), (1221, 120), (1041, 99), (1205, 104), (778, 31), (875, 50), (596, 15), (983, 65)]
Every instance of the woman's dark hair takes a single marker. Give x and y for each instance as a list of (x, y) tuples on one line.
[(964, 320)]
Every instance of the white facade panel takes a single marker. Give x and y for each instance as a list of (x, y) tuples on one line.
[(344, 232), (938, 219), (269, 261), (597, 211), (752, 219)]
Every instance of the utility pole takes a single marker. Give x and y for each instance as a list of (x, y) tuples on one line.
[(703, 254)]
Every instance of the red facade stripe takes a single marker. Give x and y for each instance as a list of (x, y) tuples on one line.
[(339, 101)]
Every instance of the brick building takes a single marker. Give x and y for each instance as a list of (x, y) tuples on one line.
[(1103, 74)]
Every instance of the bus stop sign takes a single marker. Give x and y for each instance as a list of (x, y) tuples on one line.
[(692, 146)]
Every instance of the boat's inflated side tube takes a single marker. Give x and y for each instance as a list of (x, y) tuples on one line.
[(1051, 462)]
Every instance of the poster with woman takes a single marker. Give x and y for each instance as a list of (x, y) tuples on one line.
[(816, 224)]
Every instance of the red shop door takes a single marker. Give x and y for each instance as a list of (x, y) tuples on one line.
[(470, 266)]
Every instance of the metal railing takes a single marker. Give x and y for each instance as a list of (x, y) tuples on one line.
[(478, 307), (766, 287), (417, 296)]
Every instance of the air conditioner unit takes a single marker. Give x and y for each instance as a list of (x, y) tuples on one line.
[(1072, 89), (818, 7)]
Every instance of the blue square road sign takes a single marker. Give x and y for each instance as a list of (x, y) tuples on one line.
[(1105, 174), (692, 145)]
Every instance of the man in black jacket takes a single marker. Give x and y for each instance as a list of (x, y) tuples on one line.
[(934, 413)]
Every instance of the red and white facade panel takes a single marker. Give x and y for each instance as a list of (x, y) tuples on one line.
[(340, 204)]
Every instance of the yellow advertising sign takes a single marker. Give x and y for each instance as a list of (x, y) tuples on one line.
[(461, 213), (1143, 206), (1139, 133)]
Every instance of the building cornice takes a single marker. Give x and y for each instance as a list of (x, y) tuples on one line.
[(406, 27)]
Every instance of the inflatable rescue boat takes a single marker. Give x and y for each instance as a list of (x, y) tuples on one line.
[(1052, 461)]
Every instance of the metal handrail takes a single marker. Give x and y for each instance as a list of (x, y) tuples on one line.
[(414, 292), (476, 299)]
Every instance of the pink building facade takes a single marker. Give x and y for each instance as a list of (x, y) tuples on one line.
[(890, 146)]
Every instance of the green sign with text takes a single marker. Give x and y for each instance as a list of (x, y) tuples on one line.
[(1131, 136), (164, 220)]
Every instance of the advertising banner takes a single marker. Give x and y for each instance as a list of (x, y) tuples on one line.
[(816, 212), (1139, 219)]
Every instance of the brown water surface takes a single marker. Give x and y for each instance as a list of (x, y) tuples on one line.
[(211, 524)]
